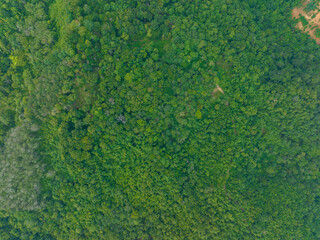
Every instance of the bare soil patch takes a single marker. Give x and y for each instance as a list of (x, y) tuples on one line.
[(312, 18)]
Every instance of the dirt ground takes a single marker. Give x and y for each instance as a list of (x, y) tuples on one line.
[(313, 18)]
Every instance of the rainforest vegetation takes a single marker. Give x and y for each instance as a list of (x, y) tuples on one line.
[(158, 119)]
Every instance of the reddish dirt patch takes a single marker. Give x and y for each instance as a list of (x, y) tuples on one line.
[(216, 90), (313, 18)]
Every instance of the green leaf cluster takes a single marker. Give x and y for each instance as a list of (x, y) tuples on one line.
[(112, 127)]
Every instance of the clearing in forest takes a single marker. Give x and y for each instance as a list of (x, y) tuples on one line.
[(309, 18)]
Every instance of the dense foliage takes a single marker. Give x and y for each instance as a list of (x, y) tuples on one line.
[(21, 169), (111, 118)]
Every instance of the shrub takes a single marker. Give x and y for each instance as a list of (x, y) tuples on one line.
[(317, 33), (311, 6)]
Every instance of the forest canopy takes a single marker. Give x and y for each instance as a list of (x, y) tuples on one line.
[(159, 119)]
